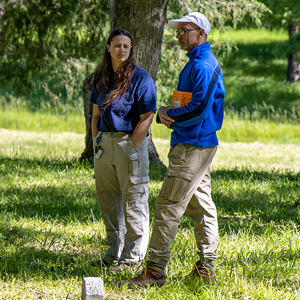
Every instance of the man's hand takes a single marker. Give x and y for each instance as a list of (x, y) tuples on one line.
[(165, 119)]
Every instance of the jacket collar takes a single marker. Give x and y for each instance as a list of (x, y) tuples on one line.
[(198, 51)]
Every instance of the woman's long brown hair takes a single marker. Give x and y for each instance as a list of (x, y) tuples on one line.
[(122, 76)]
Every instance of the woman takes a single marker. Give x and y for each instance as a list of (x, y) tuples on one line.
[(124, 102)]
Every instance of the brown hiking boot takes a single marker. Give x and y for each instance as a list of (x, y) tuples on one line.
[(204, 271), (128, 268), (151, 275)]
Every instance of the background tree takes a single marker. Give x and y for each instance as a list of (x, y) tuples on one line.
[(145, 21), (286, 14), (50, 43), (223, 15), (55, 44)]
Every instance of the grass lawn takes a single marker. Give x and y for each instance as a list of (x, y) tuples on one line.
[(51, 227)]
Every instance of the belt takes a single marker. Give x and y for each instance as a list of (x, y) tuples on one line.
[(116, 133)]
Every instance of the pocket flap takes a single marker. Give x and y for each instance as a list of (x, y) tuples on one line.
[(179, 174), (134, 156), (139, 179)]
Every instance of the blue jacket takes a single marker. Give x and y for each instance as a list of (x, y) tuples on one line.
[(196, 123)]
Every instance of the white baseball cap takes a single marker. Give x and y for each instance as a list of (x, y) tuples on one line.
[(195, 18)]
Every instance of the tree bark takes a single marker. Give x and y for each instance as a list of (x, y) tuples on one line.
[(145, 21), (293, 71), (88, 113)]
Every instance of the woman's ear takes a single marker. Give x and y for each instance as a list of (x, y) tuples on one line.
[(108, 47)]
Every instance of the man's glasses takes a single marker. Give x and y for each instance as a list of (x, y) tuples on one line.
[(183, 31)]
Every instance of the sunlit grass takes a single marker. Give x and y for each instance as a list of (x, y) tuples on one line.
[(24, 120), (40, 145), (242, 130), (51, 227), (242, 143), (252, 35)]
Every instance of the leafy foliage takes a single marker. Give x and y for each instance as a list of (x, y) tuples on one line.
[(223, 15), (285, 14), (54, 44), (47, 39)]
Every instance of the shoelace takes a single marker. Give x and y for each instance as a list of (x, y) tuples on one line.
[(152, 268), (203, 267)]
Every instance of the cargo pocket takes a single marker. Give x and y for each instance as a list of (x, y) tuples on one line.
[(177, 155), (139, 185), (139, 179), (134, 164), (138, 157), (136, 207), (176, 185)]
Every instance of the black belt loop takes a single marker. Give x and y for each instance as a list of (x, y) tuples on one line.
[(97, 147), (99, 138)]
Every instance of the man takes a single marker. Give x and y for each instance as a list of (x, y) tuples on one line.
[(194, 143)]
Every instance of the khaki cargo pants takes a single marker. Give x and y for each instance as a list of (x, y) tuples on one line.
[(121, 175), (187, 188)]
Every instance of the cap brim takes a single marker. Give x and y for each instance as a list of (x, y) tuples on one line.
[(174, 23)]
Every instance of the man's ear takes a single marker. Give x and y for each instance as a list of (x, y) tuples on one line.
[(201, 31)]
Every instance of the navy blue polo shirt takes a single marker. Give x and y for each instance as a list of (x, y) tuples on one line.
[(123, 114)]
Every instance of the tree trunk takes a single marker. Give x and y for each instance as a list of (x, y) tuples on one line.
[(88, 113), (145, 21), (293, 71)]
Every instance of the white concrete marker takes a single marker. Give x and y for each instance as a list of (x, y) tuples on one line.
[(92, 288)]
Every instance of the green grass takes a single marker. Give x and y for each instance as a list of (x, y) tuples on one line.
[(255, 77), (21, 118), (248, 131), (251, 36), (51, 227)]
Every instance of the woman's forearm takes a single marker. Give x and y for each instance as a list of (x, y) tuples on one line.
[(94, 125), (142, 127), (95, 118)]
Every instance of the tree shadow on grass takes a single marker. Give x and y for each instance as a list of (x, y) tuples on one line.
[(48, 200), (250, 199), (50, 203), (52, 254), (262, 80), (267, 196), (255, 267), (261, 52), (15, 165), (245, 199), (252, 94), (33, 261), (264, 98)]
